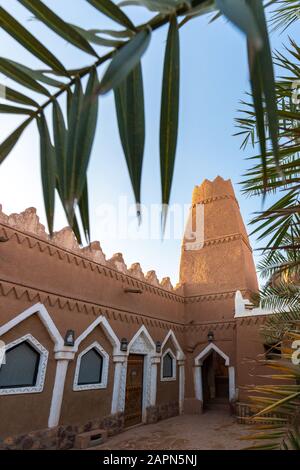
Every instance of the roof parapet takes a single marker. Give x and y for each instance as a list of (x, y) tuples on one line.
[(66, 238), (212, 189), (152, 278), (166, 283), (135, 270), (117, 262), (94, 252), (28, 221)]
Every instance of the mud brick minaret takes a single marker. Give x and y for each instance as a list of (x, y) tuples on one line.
[(225, 263)]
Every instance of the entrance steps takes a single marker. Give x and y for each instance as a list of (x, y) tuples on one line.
[(217, 404)]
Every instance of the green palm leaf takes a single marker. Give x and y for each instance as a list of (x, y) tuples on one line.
[(129, 99), (59, 26), (241, 15), (72, 148), (112, 11), (84, 212), (264, 57), (9, 143), (22, 35), (169, 112), (38, 75), (82, 120), (93, 37), (48, 170), (20, 75), (60, 143), (17, 97), (124, 61), (87, 130), (8, 109)]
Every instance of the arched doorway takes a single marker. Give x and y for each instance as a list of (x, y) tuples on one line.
[(215, 380), (138, 378), (214, 377)]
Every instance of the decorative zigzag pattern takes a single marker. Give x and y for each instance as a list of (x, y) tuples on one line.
[(50, 299), (226, 239), (212, 296), (48, 248), (76, 305), (216, 198)]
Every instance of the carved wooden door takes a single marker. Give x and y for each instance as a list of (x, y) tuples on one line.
[(134, 390)]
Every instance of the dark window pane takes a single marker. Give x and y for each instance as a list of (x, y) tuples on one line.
[(167, 366), (21, 368), (90, 371)]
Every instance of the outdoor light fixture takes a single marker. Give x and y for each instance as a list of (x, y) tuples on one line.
[(124, 345), (158, 346), (129, 290), (70, 338), (210, 336)]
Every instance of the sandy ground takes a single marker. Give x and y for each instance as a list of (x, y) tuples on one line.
[(213, 430)]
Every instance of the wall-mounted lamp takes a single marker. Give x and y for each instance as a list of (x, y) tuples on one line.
[(70, 338), (129, 290), (124, 345), (158, 346), (210, 336)]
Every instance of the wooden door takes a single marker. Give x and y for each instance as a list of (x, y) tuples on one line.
[(134, 390)]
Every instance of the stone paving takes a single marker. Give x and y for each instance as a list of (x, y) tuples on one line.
[(213, 430)]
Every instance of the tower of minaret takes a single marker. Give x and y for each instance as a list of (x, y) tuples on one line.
[(224, 261)]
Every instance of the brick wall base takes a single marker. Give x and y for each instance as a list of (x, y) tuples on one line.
[(163, 411), (61, 437)]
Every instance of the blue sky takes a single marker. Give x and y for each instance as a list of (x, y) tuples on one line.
[(214, 76)]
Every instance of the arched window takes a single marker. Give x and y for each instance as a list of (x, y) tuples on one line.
[(21, 367), (168, 366), (24, 367), (91, 369)]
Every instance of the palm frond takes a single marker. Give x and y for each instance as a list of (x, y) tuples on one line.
[(125, 48)]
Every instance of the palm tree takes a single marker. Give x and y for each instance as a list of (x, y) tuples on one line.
[(276, 407), (64, 161)]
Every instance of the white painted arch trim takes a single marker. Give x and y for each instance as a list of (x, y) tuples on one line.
[(40, 380), (41, 311), (180, 358), (174, 366), (141, 343), (105, 366), (198, 371), (179, 352), (206, 351), (112, 337), (119, 358), (142, 331)]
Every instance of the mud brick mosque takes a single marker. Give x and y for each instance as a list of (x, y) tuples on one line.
[(92, 345)]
